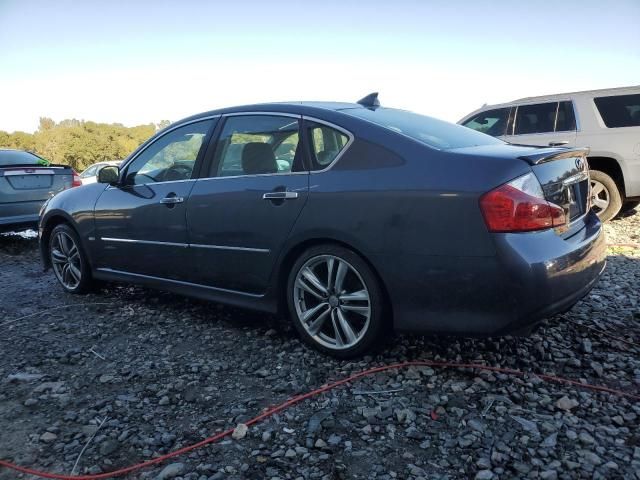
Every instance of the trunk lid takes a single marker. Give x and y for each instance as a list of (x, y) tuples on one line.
[(24, 183), (564, 176)]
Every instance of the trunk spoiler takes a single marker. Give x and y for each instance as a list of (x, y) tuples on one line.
[(549, 154)]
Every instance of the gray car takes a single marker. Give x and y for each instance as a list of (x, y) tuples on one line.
[(26, 181), (353, 218)]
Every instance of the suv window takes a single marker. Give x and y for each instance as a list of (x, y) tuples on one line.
[(492, 122), (566, 120), (620, 110), (326, 144), (537, 118), (257, 144), (171, 157)]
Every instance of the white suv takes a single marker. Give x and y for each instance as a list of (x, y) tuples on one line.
[(606, 121)]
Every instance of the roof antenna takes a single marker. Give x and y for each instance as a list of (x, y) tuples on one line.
[(370, 101)]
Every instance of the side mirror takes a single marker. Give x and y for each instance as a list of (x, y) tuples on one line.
[(109, 174)]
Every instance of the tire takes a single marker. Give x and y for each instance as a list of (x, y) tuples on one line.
[(606, 200), (628, 206), (353, 295), (69, 260)]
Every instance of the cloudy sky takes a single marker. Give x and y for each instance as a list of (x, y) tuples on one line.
[(140, 62)]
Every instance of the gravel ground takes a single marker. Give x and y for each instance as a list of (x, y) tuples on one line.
[(135, 373)]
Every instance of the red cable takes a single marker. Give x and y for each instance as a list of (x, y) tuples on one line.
[(292, 401)]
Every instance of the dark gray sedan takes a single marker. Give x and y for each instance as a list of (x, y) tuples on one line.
[(356, 219), (26, 181)]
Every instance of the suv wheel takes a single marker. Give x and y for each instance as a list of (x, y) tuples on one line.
[(68, 260), (606, 200), (335, 301)]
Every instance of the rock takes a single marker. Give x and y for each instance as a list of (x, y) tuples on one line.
[(405, 415), (108, 447), (484, 475), (527, 425), (30, 402), (164, 401), (290, 453), (171, 471), (586, 346), (266, 436), (240, 431), (551, 441), (320, 443), (585, 438), (24, 377), (48, 437), (566, 404), (106, 378), (549, 475)]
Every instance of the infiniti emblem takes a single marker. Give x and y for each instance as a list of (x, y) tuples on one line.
[(579, 163)]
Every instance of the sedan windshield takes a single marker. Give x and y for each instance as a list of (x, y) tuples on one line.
[(17, 157), (430, 131)]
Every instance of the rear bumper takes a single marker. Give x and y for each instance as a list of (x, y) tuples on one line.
[(533, 276), (18, 222)]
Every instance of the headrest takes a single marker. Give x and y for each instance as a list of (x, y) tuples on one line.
[(258, 158)]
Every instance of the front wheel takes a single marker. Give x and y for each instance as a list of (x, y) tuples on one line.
[(606, 200), (68, 260), (336, 301)]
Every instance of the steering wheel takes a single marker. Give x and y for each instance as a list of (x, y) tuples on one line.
[(177, 172)]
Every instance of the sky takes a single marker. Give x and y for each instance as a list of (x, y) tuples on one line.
[(136, 62)]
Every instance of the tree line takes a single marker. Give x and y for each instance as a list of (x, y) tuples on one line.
[(80, 143)]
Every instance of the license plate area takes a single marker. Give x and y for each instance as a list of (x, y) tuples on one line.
[(578, 199), (29, 182)]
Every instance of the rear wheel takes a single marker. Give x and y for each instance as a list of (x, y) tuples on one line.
[(68, 260), (606, 200), (335, 301)]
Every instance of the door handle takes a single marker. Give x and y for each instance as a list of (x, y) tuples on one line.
[(558, 144), (280, 195), (172, 200)]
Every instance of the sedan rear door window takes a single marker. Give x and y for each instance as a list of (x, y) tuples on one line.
[(257, 145)]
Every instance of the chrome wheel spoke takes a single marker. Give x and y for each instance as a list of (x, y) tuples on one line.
[(346, 328), (311, 277), (336, 330), (302, 283), (340, 274), (330, 264), (600, 203), (596, 188), (74, 271), (359, 296), (356, 309), (318, 323), (309, 314), (58, 257)]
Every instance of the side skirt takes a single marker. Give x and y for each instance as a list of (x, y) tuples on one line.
[(251, 301)]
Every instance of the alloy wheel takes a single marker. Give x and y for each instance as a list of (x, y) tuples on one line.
[(66, 260), (600, 198), (332, 302)]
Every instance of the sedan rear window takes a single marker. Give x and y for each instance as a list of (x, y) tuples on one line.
[(17, 157), (430, 131)]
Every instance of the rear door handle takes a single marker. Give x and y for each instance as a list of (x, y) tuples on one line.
[(172, 200), (558, 144), (280, 195)]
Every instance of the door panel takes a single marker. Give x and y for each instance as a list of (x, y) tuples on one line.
[(138, 233), (235, 234)]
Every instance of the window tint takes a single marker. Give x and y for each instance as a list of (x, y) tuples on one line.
[(326, 143), (538, 118), (566, 120), (257, 144), (170, 157), (619, 110), (430, 131), (492, 122), (17, 157)]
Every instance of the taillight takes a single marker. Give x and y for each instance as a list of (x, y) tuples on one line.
[(77, 181), (520, 206)]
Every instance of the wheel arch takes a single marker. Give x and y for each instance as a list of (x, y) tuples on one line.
[(296, 250), (48, 224), (611, 167)]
